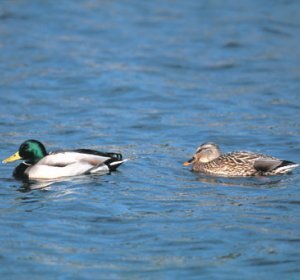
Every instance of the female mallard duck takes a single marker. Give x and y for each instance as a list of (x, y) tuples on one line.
[(209, 160), (38, 164)]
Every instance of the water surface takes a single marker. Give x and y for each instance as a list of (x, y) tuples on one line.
[(152, 80)]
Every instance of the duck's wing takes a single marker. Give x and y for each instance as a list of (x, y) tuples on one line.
[(64, 158), (110, 160), (266, 164), (274, 165)]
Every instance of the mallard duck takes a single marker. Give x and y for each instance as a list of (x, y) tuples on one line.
[(208, 159), (38, 164)]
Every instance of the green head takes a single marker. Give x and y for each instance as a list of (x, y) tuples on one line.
[(31, 151)]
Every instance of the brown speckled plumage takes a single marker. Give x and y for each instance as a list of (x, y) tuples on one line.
[(209, 160)]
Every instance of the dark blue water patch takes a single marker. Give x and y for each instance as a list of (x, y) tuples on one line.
[(276, 32), (232, 45)]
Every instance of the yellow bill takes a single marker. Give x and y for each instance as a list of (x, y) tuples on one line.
[(12, 158)]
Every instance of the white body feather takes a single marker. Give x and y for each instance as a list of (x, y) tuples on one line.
[(65, 164)]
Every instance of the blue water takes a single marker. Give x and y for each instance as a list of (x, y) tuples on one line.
[(153, 80)]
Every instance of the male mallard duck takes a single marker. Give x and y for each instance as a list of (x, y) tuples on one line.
[(38, 164), (209, 160)]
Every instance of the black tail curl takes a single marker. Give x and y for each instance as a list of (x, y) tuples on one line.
[(113, 163)]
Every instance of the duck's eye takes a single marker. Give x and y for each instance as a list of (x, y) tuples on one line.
[(26, 146)]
